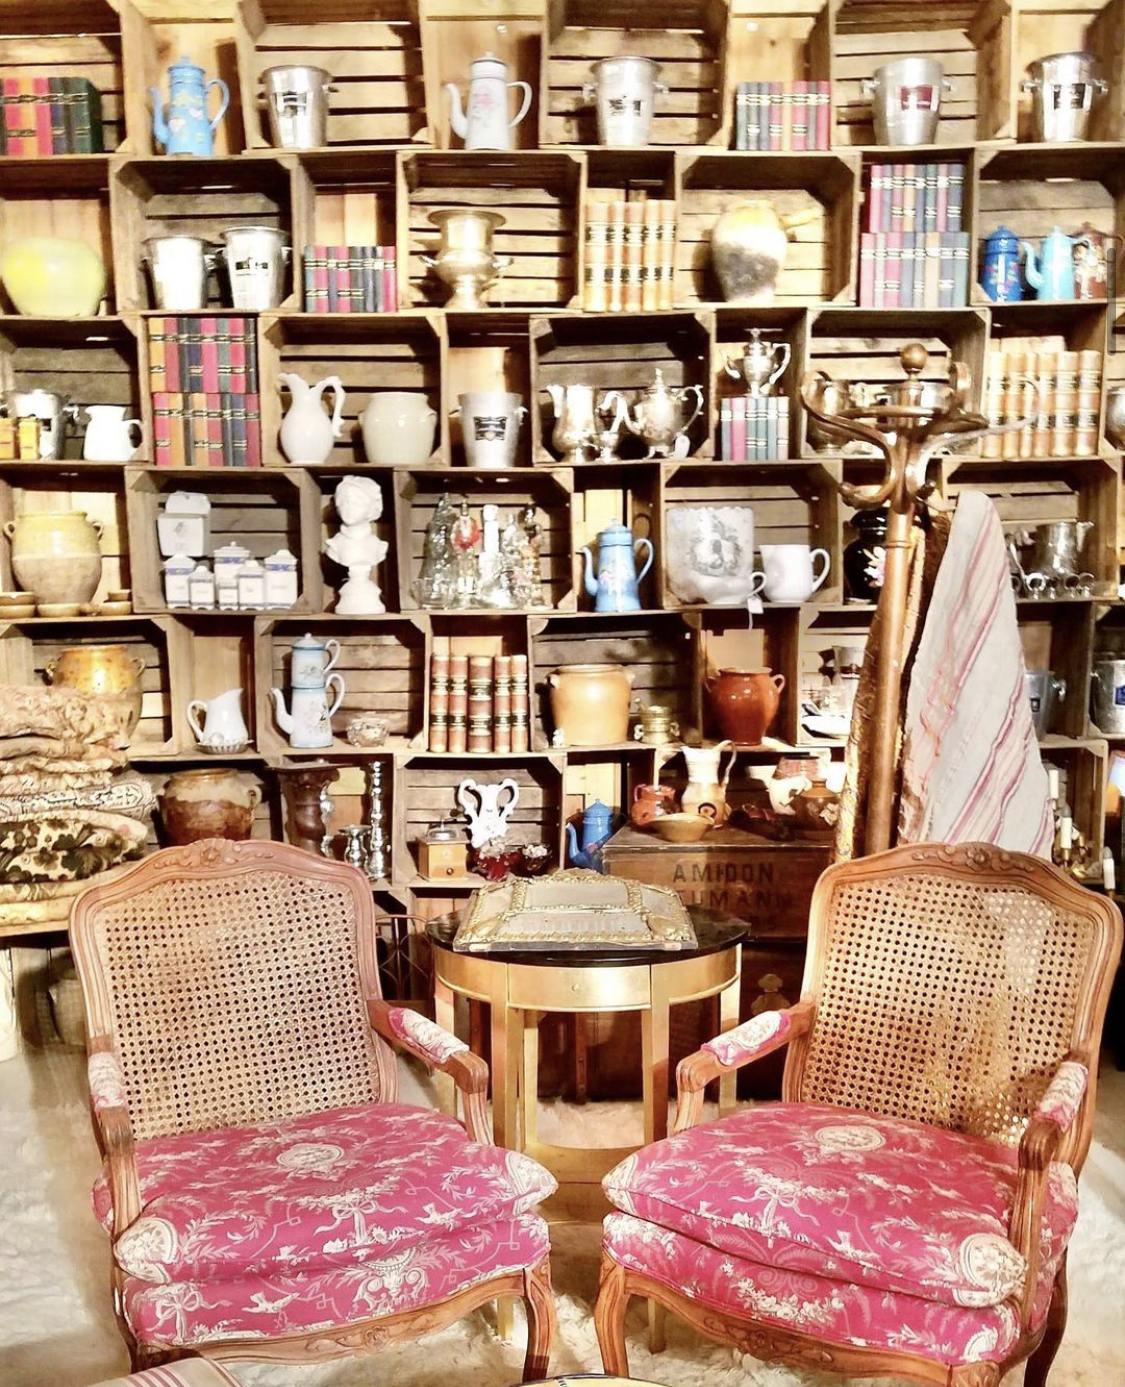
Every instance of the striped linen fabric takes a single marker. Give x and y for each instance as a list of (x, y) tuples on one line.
[(191, 1372), (971, 770)]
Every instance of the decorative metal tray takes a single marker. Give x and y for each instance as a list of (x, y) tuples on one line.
[(575, 909)]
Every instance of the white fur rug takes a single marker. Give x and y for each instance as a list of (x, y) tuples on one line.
[(57, 1329)]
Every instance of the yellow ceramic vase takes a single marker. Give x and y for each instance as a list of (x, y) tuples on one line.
[(53, 277), (56, 554), (101, 670)]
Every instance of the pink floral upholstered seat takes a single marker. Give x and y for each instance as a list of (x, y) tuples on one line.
[(265, 1193)]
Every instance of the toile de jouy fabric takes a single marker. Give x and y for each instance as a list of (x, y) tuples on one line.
[(128, 793), (757, 1036), (895, 1205), (423, 1035), (30, 710), (326, 1190), (34, 848), (971, 769), (1063, 1098), (395, 1280), (36, 752), (830, 1310)]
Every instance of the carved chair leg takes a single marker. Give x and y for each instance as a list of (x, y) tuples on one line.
[(1039, 1364), (609, 1318), (539, 1302), (657, 1339)]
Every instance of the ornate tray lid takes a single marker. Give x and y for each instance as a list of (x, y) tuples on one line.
[(575, 909)]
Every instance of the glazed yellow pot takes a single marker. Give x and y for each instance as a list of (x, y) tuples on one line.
[(53, 277), (749, 245), (590, 703), (101, 669), (56, 554)]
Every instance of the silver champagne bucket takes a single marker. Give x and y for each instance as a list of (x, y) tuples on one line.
[(51, 410), (906, 100), (624, 92), (178, 268), (296, 98), (1063, 87), (1109, 693), (256, 257), (490, 427), (1045, 691)]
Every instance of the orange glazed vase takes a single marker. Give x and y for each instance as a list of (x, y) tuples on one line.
[(745, 702)]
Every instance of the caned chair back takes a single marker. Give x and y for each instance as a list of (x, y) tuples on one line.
[(950, 983), (231, 980)]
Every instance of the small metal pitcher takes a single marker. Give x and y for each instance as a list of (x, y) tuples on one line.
[(1057, 546), (178, 268), (296, 101), (256, 257), (51, 410)]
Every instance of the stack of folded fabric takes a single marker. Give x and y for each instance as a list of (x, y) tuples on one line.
[(69, 807)]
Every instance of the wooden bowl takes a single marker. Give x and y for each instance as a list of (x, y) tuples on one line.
[(682, 828)]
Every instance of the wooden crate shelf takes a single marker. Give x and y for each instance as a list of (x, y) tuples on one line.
[(779, 40), (52, 197), (487, 352), (973, 41), (28, 647), (383, 661), (373, 50), (343, 197), (368, 351), (687, 39), (93, 491), (656, 646), (1059, 636), (821, 264), (617, 352), (92, 361), (1042, 28), (193, 197), (265, 511), (818, 630), (221, 645), (538, 195), (731, 334), (417, 493), (605, 495)]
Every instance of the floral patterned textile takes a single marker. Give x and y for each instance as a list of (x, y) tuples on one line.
[(188, 1313), (107, 1081), (756, 1036), (827, 1309), (31, 710), (1064, 1094), (43, 751), (33, 775), (67, 847), (129, 793), (893, 1204), (424, 1035), (330, 1189)]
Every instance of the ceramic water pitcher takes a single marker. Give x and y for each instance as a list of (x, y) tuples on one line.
[(398, 427), (183, 127), (614, 588), (223, 727), (110, 437), (790, 572), (307, 433), (706, 789), (484, 122)]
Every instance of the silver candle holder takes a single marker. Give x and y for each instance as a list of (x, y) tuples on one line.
[(377, 865)]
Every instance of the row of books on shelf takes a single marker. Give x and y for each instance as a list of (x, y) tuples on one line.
[(206, 429), (351, 279), (630, 255), (478, 703), (40, 116), (782, 116), (754, 428), (915, 197), (192, 355), (914, 269), (1057, 393)]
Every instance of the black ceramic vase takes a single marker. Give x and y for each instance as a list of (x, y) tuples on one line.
[(864, 556)]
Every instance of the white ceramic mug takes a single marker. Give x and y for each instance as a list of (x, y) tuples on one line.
[(790, 572)]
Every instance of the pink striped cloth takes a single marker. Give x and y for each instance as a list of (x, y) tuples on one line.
[(971, 770), (189, 1372)]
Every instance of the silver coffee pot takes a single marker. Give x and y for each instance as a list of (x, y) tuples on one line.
[(576, 427), (51, 410), (1057, 547), (657, 417), (761, 365)]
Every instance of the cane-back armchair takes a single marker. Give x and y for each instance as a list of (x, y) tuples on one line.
[(906, 1207), (265, 1193)]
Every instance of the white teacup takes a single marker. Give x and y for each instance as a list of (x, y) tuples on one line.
[(790, 572)]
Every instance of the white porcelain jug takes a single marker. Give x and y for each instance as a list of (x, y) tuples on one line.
[(485, 123), (223, 727), (109, 435), (706, 785), (307, 433)]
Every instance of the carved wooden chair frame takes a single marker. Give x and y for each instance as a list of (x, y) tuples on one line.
[(1041, 1144), (211, 861)]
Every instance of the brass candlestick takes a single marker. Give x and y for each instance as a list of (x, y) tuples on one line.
[(907, 426)]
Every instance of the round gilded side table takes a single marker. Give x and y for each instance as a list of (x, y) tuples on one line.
[(520, 985)]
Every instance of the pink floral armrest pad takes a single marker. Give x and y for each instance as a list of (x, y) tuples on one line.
[(424, 1035), (753, 1037), (1064, 1094), (107, 1081)]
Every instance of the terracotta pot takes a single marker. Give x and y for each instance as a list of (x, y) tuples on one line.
[(208, 803), (746, 702), (56, 554), (103, 670), (651, 802), (590, 703)]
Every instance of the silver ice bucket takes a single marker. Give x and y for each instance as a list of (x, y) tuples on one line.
[(1045, 692), (1063, 88), (906, 100), (1109, 693), (624, 91), (255, 257), (178, 268), (296, 98)]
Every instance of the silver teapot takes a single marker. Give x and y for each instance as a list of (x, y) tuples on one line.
[(575, 430), (657, 417), (757, 366)]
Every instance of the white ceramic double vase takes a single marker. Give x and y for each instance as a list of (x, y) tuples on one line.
[(308, 720), (790, 572)]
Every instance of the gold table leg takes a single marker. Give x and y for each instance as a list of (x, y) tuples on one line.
[(507, 1029), (656, 1045), (529, 1079)]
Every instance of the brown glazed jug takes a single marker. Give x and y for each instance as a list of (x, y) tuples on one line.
[(746, 702), (208, 803), (651, 802)]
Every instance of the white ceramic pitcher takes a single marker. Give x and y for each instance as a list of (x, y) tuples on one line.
[(109, 435), (223, 727)]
